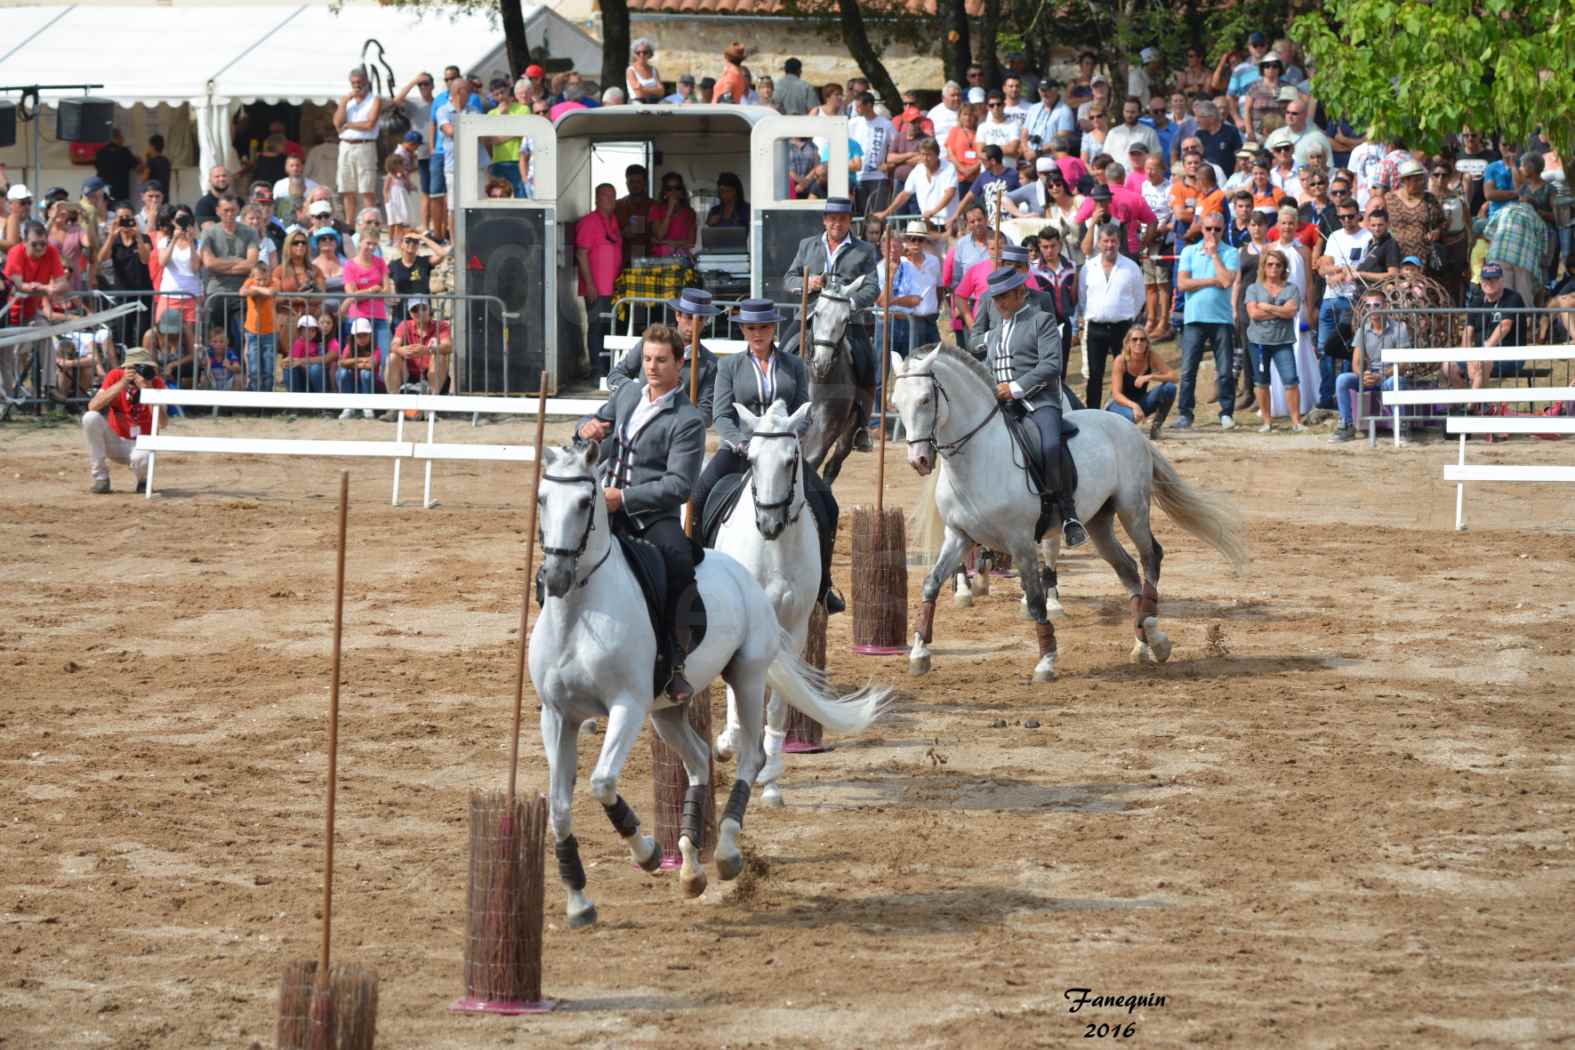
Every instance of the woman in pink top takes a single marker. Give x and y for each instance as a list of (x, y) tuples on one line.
[(672, 220), (367, 282)]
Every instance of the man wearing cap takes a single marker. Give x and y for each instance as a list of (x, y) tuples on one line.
[(116, 417), (1490, 322), (421, 349), (19, 212), (1141, 78), (1046, 119), (689, 310), (94, 204), (988, 317), (755, 379), (1023, 354), (1284, 175), (658, 441), (838, 254)]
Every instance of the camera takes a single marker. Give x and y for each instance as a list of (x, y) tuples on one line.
[(147, 372), (183, 221), (128, 224)]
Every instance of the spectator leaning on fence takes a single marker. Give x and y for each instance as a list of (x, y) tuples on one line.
[(229, 251), (421, 350)]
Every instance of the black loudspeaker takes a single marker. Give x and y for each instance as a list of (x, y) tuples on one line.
[(84, 119), (506, 253), (7, 124)]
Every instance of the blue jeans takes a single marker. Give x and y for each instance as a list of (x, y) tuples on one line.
[(1194, 336), (508, 171), (260, 359), (1329, 312), (1283, 355), (353, 381), (305, 379), (1151, 401), (1351, 383)]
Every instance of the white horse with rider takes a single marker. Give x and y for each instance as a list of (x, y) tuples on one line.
[(958, 440), (592, 654), (773, 536)]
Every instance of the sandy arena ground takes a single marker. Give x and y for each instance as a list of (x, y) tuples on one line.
[(1340, 817)]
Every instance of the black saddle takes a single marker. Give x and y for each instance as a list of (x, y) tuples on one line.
[(1027, 437), (651, 571), (719, 504)]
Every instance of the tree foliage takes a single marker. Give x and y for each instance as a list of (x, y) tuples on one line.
[(1422, 69)]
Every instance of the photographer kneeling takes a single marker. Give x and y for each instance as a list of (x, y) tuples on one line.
[(116, 417)]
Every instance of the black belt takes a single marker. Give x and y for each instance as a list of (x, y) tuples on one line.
[(1112, 323)]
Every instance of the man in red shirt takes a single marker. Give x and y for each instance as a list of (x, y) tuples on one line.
[(421, 347), (36, 272), (116, 417)]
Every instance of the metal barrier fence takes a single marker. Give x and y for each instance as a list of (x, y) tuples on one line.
[(471, 367), (1532, 329)]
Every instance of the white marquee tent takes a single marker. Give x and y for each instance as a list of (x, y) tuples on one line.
[(216, 57)]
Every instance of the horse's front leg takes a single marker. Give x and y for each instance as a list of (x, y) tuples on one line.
[(946, 563), (558, 740), (1026, 555), (1051, 550), (624, 717)]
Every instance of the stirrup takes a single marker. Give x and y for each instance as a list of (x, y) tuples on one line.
[(678, 687), (1072, 532), (832, 601)]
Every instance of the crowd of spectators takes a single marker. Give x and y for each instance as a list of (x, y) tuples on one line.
[(1154, 208)]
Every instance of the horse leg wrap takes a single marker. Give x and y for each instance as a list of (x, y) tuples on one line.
[(927, 620), (693, 826), (1047, 578), (1137, 616), (623, 819), (1046, 634), (1150, 603), (570, 870), (737, 800)]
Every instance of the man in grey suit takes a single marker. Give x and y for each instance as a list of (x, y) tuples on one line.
[(755, 379), (840, 255), (689, 309), (1024, 356), (658, 444), (989, 317)]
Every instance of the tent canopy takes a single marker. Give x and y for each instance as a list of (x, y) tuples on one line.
[(218, 56)]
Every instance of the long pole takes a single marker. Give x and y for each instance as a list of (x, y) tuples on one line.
[(530, 561), (803, 310), (995, 242), (694, 399), (333, 734), (885, 373)]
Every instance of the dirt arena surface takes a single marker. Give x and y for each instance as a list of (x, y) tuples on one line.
[(1340, 817)]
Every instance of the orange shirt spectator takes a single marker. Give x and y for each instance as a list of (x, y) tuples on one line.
[(259, 308)]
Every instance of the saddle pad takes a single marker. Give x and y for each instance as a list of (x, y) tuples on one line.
[(719, 504), (646, 562)]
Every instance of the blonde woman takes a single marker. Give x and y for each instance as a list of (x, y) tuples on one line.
[(1142, 387)]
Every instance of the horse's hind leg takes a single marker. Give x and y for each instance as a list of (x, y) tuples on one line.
[(1145, 607), (748, 679), (672, 725), (727, 739), (559, 739), (946, 564), (1102, 530), (1025, 554)]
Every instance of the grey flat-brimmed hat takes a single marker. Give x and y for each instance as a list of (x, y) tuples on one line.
[(1014, 254), (1003, 281), (758, 311), (839, 206), (694, 301)]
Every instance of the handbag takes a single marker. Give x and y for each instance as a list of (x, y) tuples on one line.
[(392, 120)]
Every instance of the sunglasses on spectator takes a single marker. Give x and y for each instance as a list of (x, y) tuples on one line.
[(1350, 216), (1213, 229), (997, 105), (1339, 193), (424, 83), (1283, 149), (1440, 173)]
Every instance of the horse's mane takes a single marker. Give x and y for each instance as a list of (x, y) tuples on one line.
[(964, 359)]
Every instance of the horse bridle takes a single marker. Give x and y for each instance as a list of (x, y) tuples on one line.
[(792, 482), (585, 537), (950, 448), (817, 343)]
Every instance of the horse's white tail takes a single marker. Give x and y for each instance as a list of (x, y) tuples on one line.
[(1208, 516), (804, 688), (925, 526)]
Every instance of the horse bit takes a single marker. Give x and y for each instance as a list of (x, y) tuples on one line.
[(950, 448)]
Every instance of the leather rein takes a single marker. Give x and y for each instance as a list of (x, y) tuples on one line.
[(948, 449)]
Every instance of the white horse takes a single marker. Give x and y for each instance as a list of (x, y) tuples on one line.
[(979, 495), (772, 533), (591, 656)]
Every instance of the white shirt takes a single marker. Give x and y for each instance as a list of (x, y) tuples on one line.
[(928, 190), (1117, 296), (994, 132), (282, 188), (1364, 162), (1348, 249), (1018, 110), (1119, 139), (1158, 199), (646, 411), (943, 119), (1288, 182), (357, 111), (874, 136)]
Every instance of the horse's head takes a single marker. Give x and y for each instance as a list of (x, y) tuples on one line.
[(828, 325), (920, 401), (568, 507), (774, 458)]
